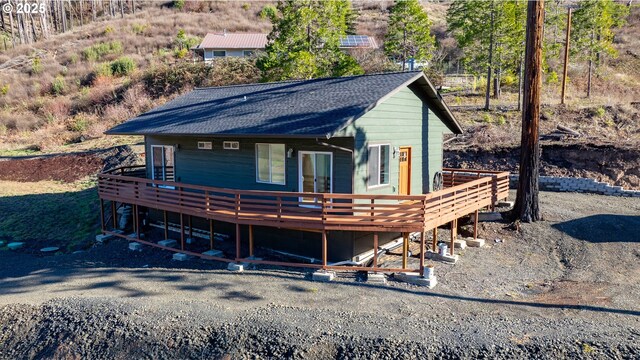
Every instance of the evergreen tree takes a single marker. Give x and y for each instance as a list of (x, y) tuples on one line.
[(409, 35), (305, 41), (491, 33), (592, 31)]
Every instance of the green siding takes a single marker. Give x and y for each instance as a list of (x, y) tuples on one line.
[(236, 169), (401, 120)]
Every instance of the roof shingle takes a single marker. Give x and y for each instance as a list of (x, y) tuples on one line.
[(313, 108)]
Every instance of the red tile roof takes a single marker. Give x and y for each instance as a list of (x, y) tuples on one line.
[(234, 41)]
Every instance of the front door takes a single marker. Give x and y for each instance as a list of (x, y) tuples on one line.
[(315, 173), (404, 176)]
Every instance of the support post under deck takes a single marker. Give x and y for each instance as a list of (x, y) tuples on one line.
[(250, 240), (211, 234), (166, 225), (375, 250), (405, 249), (181, 231), (114, 215), (434, 244), (422, 250), (475, 226), (102, 215), (454, 234), (324, 249), (237, 242)]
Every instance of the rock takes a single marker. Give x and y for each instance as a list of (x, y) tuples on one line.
[(50, 249), (15, 245)]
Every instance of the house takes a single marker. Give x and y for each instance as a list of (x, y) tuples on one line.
[(219, 45), (324, 169)]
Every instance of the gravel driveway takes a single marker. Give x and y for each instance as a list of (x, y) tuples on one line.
[(565, 287)]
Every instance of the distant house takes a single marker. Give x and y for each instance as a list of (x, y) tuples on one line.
[(219, 45), (325, 169)]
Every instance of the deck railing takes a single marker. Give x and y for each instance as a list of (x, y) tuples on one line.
[(465, 192)]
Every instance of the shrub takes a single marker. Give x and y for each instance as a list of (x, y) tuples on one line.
[(123, 66), (139, 29), (98, 51), (58, 86), (36, 66), (3, 129), (108, 30), (552, 78), (268, 12), (181, 53), (487, 118), (78, 124), (501, 120), (103, 69), (4, 89), (183, 41), (508, 79), (178, 4), (599, 112), (246, 7)]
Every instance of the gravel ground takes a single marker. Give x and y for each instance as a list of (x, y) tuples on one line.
[(566, 287)]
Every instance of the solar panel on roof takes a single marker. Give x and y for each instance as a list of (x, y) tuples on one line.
[(355, 41)]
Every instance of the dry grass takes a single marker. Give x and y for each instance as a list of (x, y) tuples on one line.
[(31, 116)]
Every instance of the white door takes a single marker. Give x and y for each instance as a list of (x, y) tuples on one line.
[(315, 171)]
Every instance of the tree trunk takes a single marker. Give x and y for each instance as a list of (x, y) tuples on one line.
[(520, 68), (93, 10), (526, 207), (81, 14), (404, 48), (133, 6), (13, 39), (589, 79), (121, 8), (488, 90)]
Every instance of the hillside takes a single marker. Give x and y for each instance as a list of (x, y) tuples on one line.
[(62, 93)]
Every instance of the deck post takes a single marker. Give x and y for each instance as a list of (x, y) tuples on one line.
[(454, 234), (475, 226), (324, 249), (190, 229), (211, 234), (422, 250), (136, 217), (102, 215), (166, 225), (250, 240), (114, 215), (375, 250), (434, 245), (182, 231), (405, 249), (237, 241)]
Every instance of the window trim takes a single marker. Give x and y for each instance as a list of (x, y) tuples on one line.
[(378, 186), (244, 53), (310, 204), (213, 54), (164, 168), (284, 183)]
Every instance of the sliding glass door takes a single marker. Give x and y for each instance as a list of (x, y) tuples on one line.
[(316, 169)]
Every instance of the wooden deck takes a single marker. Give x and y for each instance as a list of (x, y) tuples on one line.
[(464, 192)]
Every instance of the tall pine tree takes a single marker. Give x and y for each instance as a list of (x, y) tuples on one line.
[(592, 31), (305, 41), (409, 34)]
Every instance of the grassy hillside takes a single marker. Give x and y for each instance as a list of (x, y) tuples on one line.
[(63, 91)]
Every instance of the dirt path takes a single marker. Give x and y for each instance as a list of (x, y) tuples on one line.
[(566, 287)]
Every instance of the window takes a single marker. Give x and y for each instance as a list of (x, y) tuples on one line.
[(248, 53), (219, 53), (162, 163), (231, 145), (378, 165), (205, 145), (270, 163)]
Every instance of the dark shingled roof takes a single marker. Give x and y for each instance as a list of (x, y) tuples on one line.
[(308, 108)]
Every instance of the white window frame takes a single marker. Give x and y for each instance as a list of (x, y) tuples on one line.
[(164, 168), (244, 53), (213, 54), (228, 145), (315, 182), (369, 186), (270, 165)]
